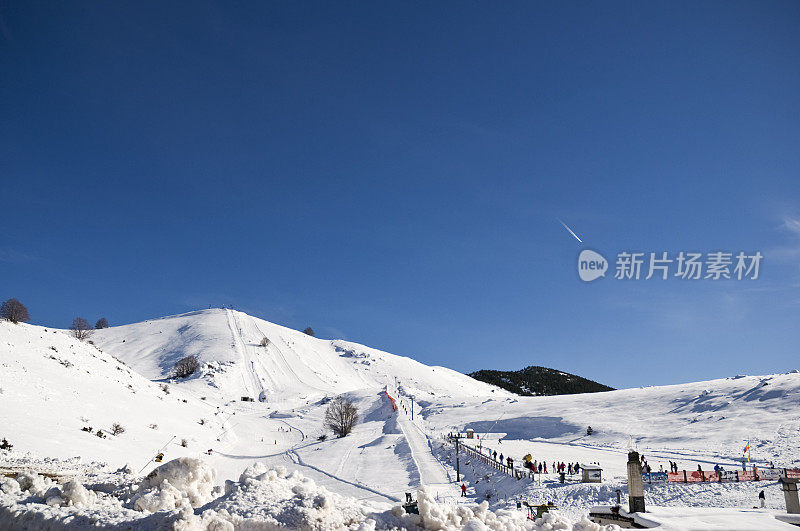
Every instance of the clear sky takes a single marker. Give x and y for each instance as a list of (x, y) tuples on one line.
[(393, 174)]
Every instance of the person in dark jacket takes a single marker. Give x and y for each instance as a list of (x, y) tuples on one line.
[(762, 499)]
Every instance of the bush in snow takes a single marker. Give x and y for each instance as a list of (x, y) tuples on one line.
[(309, 331), (5, 445), (80, 328), (341, 416), (117, 428), (14, 311), (101, 323), (186, 366), (264, 342), (165, 388), (589, 430), (184, 443)]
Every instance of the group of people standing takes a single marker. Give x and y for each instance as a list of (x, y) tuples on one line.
[(534, 465), (673, 466)]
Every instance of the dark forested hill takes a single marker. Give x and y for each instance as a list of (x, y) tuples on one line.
[(535, 381)]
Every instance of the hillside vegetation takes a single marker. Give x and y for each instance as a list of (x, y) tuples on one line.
[(539, 381)]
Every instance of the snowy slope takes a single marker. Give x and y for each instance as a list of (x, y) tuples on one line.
[(52, 385), (293, 364), (712, 416)]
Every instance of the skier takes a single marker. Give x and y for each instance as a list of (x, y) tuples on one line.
[(463, 490), (494, 455), (501, 457), (762, 499)]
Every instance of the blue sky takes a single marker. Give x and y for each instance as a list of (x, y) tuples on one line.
[(392, 173)]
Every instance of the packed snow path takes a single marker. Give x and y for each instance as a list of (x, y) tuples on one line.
[(431, 472)]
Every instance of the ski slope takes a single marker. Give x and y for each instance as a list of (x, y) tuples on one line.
[(52, 385), (293, 364)]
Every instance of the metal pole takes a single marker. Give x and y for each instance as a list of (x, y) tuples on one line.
[(458, 464)]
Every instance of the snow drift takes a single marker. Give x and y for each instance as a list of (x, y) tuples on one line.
[(263, 498)]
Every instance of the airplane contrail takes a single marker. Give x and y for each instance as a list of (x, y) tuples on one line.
[(570, 230)]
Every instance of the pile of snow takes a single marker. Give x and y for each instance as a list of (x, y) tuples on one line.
[(263, 498), (275, 497), (181, 483)]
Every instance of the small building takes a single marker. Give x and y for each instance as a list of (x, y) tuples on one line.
[(470, 434), (591, 474)]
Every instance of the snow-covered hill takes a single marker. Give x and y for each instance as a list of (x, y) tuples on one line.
[(713, 416), (227, 343), (52, 386)]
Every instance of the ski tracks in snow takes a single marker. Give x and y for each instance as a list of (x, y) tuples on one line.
[(241, 349)]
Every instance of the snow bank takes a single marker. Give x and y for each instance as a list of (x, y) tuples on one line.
[(433, 515), (35, 484), (179, 495), (265, 498), (180, 483)]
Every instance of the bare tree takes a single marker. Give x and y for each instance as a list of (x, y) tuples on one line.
[(186, 366), (101, 323), (341, 416), (14, 311), (309, 331), (80, 328)]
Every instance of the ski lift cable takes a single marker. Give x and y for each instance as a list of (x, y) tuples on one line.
[(157, 452), (495, 423)]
